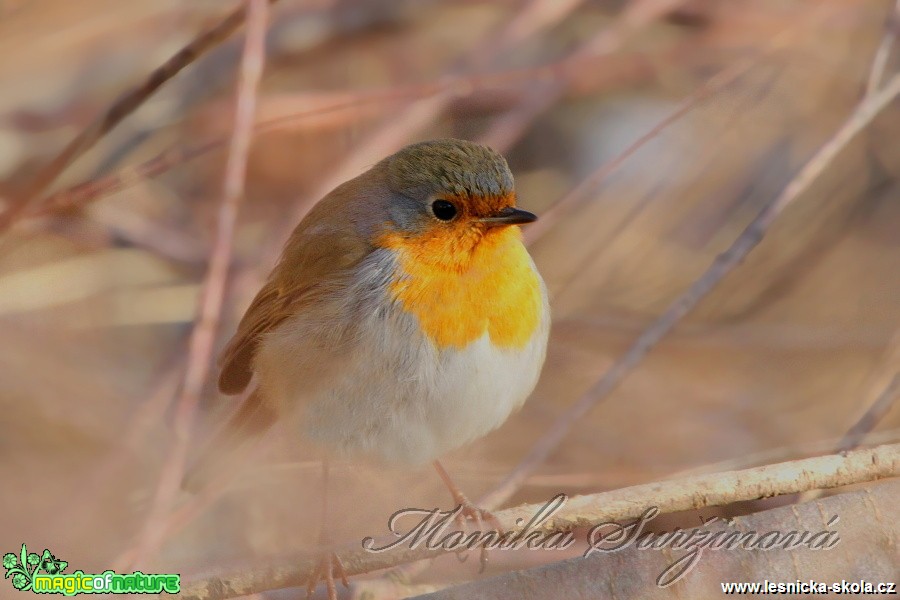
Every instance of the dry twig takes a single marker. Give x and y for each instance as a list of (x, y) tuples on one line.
[(875, 413), (121, 108), (691, 493), (722, 266), (95, 189), (636, 15), (203, 336), (860, 537), (721, 80), (879, 63), (395, 132)]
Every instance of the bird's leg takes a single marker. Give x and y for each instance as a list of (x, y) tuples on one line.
[(478, 515), (329, 563)]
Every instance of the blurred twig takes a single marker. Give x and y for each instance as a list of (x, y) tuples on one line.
[(875, 413), (581, 193), (626, 571), (185, 514), (95, 189), (854, 436), (879, 63), (636, 15), (691, 493), (203, 336), (722, 266), (885, 386), (121, 108), (397, 131)]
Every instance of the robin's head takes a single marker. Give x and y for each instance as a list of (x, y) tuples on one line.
[(448, 195)]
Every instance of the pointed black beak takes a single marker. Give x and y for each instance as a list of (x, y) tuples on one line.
[(510, 216)]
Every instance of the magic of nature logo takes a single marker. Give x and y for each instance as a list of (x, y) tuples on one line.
[(45, 574)]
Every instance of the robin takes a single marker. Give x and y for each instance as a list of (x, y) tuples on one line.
[(404, 319)]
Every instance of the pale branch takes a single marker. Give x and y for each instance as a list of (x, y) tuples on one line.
[(873, 415), (883, 53), (455, 86), (583, 192), (202, 339), (861, 535), (126, 104), (690, 493)]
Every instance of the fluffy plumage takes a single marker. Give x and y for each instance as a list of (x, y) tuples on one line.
[(387, 331)]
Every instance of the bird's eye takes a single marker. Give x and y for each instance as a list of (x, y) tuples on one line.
[(443, 210)]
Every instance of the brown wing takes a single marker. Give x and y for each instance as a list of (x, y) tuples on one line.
[(236, 359), (323, 246)]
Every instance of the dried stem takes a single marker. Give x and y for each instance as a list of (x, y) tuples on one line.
[(875, 413), (203, 336), (861, 522), (879, 63), (721, 80), (90, 191), (636, 15), (121, 108), (690, 493), (885, 387), (397, 131), (722, 266)]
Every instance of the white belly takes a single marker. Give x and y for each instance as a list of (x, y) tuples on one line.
[(415, 415), (392, 395)]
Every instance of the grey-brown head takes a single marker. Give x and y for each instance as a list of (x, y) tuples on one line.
[(450, 180)]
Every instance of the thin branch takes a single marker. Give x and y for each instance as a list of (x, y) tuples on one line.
[(886, 378), (703, 491), (863, 532), (582, 192), (873, 415), (879, 63), (95, 189), (397, 131), (722, 266), (121, 108), (866, 423), (636, 15), (885, 382), (203, 336), (721, 80)]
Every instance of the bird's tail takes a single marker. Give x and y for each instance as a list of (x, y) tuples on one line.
[(224, 452)]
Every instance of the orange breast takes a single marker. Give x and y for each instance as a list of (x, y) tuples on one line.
[(464, 285)]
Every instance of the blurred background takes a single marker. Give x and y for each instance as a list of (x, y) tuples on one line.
[(99, 288)]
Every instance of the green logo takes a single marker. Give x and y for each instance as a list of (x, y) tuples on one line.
[(45, 574)]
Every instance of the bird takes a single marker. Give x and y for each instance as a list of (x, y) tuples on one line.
[(405, 318)]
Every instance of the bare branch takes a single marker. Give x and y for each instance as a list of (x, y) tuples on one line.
[(879, 63), (636, 15), (121, 108), (696, 492), (864, 535), (722, 266), (463, 85), (203, 336), (581, 193), (875, 413)]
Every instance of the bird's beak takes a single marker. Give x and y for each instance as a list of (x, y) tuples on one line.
[(510, 216)]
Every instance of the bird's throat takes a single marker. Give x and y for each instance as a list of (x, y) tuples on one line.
[(460, 291)]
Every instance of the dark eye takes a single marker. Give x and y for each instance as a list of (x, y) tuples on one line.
[(443, 210)]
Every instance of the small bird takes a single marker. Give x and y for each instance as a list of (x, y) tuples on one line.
[(404, 319)]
